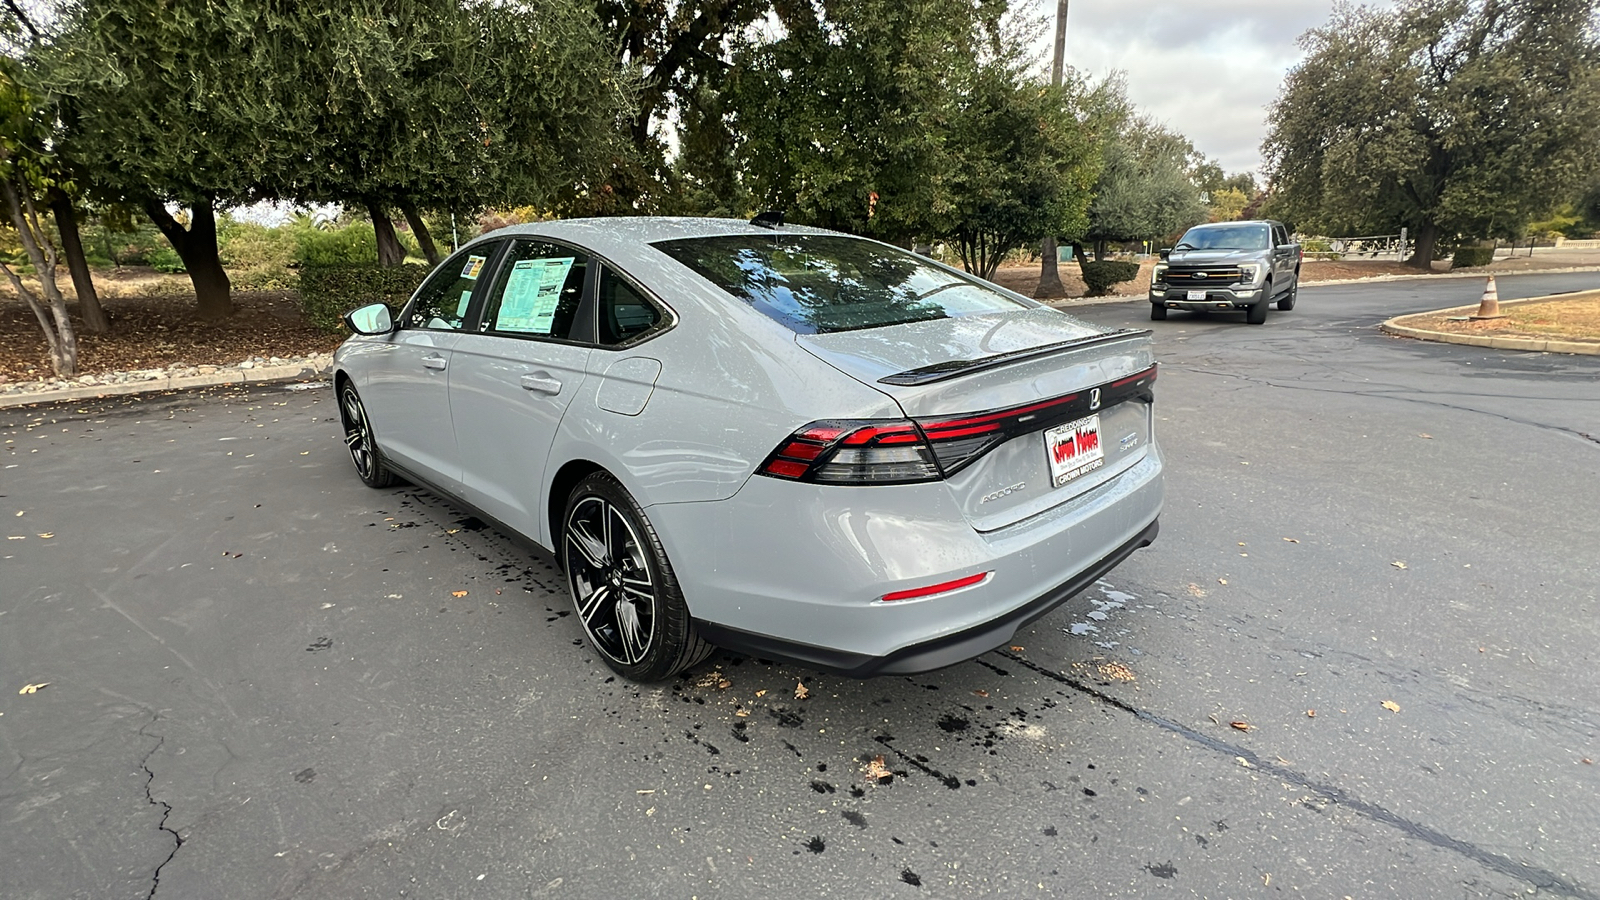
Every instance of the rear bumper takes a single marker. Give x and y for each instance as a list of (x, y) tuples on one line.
[(798, 571), (933, 654), (1216, 298)]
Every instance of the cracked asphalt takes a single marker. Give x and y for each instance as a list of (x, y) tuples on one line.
[(1359, 661)]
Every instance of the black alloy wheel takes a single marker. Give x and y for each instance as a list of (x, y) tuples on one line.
[(359, 440), (622, 586)]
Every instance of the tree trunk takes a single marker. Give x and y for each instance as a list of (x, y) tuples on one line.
[(197, 247), (94, 316), (1050, 286), (1099, 250), (1427, 240), (1079, 255), (419, 228), (56, 325), (390, 253)]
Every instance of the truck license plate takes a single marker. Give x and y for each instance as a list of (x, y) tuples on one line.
[(1074, 449), (1197, 295)]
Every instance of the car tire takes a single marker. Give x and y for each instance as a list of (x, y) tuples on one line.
[(1256, 313), (622, 585), (1286, 302), (1158, 313), (359, 440)]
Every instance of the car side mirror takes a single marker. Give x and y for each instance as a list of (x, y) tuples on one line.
[(370, 320), (1165, 254)]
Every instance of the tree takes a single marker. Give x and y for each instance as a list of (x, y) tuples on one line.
[(456, 106), (1145, 189), (841, 120), (29, 170), (1447, 117), (1021, 166)]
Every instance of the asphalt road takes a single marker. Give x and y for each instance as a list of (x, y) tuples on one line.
[(264, 679)]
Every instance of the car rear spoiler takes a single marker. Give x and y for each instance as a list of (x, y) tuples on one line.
[(957, 367)]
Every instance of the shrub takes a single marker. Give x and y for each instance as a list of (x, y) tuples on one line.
[(351, 245), (1467, 257), (1100, 275), (257, 257), (328, 292), (165, 259)]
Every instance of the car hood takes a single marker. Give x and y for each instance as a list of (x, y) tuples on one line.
[(874, 353), (1212, 257)]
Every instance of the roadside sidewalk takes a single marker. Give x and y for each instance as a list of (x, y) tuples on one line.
[(174, 378)]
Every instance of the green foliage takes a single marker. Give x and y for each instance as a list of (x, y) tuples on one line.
[(1467, 257), (1100, 275), (165, 259), (1144, 189), (328, 292), (1444, 116), (353, 244), (255, 256)]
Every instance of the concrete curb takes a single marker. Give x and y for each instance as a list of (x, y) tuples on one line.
[(307, 370), (1376, 279), (1493, 342)]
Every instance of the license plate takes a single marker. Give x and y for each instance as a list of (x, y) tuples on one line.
[(1074, 449), (1197, 295)]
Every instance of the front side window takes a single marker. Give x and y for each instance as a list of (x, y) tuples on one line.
[(441, 303), (625, 313), (1226, 237), (815, 284), (538, 292)]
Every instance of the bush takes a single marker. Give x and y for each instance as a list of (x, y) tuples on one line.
[(350, 245), (165, 259), (257, 257), (328, 292), (1467, 257), (1100, 275)]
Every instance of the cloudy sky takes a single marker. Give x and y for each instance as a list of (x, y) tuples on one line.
[(1206, 68)]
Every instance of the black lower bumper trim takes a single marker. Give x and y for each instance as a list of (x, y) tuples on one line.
[(930, 655)]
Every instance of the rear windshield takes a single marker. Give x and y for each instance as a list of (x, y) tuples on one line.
[(1226, 237), (816, 284)]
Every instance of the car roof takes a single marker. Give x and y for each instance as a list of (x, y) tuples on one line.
[(625, 235)]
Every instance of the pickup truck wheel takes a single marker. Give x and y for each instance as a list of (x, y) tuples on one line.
[(1286, 302), (1256, 314), (1158, 313)]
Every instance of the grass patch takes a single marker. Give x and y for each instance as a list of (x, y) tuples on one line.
[(1571, 318)]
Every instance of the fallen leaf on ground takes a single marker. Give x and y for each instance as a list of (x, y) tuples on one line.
[(33, 688), (16, 537), (1016, 649), (648, 791), (20, 512), (1222, 581), (742, 713), (877, 771), (981, 692), (1587, 761), (1427, 436), (458, 593), (1293, 540), (1242, 726), (714, 679), (1391, 706), (327, 606), (761, 693), (1311, 714), (1196, 590), (1398, 564), (801, 691)]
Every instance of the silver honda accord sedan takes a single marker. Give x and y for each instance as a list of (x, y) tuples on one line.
[(785, 441)]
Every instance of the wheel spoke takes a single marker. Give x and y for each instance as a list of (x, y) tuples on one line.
[(590, 605), (587, 547), (631, 632)]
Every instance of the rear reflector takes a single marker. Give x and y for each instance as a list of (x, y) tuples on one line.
[(933, 589)]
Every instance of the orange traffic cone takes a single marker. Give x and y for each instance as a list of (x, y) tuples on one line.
[(1489, 306)]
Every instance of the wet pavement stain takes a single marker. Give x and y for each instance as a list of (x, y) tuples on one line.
[(911, 878), (816, 845), (1164, 870)]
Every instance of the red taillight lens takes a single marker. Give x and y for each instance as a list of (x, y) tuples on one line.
[(897, 451)]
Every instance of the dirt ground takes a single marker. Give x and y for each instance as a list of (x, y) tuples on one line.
[(154, 325), (1574, 318)]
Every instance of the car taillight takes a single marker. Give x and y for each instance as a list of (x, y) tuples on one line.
[(904, 451)]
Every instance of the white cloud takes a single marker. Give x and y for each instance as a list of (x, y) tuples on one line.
[(1206, 69)]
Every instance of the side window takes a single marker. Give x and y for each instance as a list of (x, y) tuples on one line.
[(538, 292), (625, 313), (442, 302), (1279, 236)]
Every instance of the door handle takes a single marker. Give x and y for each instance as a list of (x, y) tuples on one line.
[(541, 382), (433, 362)]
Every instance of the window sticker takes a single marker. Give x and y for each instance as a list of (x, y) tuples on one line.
[(473, 267), (533, 290), (461, 307)]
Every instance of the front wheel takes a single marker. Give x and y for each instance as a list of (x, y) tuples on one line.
[(622, 585), (1158, 313), (1256, 313), (364, 452)]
